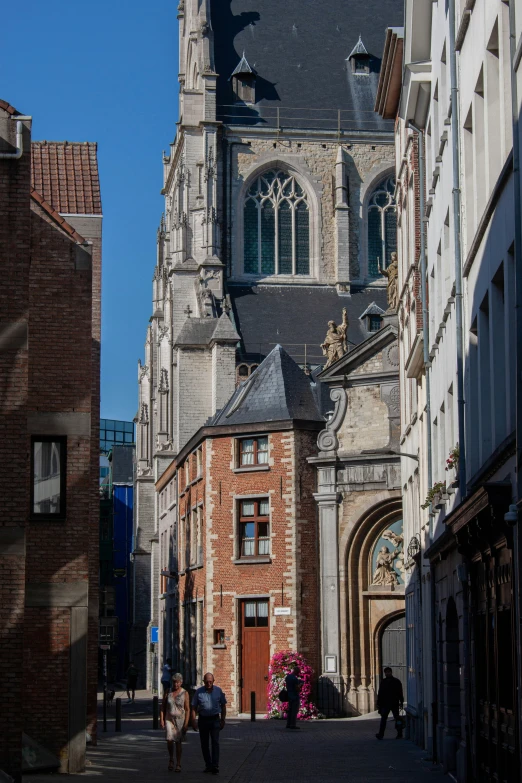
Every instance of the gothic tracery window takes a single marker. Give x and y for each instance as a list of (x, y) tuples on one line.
[(276, 226), (382, 226)]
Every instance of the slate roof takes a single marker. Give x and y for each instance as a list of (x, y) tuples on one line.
[(66, 175), (277, 391), (293, 316), (300, 56), (200, 331), (372, 309)]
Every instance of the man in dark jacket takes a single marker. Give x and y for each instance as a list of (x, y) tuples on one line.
[(389, 699)]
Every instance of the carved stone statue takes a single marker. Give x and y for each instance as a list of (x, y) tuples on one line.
[(385, 573), (391, 272), (398, 542), (334, 345)]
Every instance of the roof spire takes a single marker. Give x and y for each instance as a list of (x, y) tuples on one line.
[(242, 67), (359, 48)]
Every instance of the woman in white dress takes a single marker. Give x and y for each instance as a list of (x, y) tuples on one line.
[(175, 714)]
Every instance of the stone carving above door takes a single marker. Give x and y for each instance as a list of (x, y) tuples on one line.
[(387, 567)]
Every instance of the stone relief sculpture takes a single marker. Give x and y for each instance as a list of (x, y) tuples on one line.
[(387, 563), (391, 272), (385, 573), (398, 542), (334, 346)]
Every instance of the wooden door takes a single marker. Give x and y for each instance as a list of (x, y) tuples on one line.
[(255, 653), (393, 649)]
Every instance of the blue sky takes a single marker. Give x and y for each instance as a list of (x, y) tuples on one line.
[(105, 71)]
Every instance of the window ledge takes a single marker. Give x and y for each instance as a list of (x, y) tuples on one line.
[(251, 468), (252, 560), (194, 567), (219, 647)]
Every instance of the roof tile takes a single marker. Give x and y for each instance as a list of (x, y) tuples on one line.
[(66, 175)]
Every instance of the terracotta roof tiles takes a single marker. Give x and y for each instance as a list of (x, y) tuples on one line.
[(8, 108), (66, 175), (57, 217)]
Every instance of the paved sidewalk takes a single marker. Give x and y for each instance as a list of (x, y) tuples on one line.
[(321, 752)]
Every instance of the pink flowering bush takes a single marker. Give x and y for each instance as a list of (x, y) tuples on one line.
[(282, 664)]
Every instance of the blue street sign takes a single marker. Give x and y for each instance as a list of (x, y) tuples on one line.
[(154, 636)]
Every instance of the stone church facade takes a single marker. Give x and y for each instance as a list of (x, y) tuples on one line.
[(279, 212), (359, 505)]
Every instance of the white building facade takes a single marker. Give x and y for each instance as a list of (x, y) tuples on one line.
[(449, 83)]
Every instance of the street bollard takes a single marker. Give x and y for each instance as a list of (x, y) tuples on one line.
[(252, 705), (155, 712), (117, 724)]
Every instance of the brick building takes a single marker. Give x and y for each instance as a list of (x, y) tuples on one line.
[(245, 544), (50, 226)]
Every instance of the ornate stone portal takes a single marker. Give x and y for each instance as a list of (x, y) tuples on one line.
[(360, 516)]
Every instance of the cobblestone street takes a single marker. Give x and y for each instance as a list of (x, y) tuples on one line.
[(333, 750)]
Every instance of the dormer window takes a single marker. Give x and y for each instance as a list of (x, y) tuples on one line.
[(359, 59), (372, 318), (244, 82)]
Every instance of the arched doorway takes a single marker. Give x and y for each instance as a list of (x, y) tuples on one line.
[(393, 648)]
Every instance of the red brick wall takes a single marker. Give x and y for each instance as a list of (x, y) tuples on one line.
[(59, 373), (64, 377), (293, 569), (14, 264)]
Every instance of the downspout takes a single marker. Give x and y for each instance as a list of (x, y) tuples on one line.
[(517, 537), (458, 249), (424, 301), (455, 140), (427, 368), (17, 154)]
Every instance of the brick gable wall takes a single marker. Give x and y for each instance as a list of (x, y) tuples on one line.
[(49, 577), (290, 579)]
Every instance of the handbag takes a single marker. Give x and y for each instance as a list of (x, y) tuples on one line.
[(400, 723), (283, 695)]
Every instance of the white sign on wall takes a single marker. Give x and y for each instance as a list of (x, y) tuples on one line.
[(281, 610), (330, 663)]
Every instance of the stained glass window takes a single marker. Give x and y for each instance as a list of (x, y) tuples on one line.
[(276, 226), (382, 226)]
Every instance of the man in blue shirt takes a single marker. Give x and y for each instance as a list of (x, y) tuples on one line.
[(293, 686), (209, 705)]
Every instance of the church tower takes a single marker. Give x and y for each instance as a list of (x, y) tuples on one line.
[(279, 211)]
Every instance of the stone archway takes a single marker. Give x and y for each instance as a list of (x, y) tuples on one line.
[(367, 607)]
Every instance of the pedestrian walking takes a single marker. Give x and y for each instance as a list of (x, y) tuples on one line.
[(390, 699), (132, 679), (208, 714), (166, 676), (174, 717), (293, 686)]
